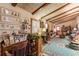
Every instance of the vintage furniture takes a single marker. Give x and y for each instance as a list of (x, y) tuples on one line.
[(30, 47), (34, 47), (74, 44), (17, 49)]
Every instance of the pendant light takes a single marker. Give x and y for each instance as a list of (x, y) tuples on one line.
[(13, 4)]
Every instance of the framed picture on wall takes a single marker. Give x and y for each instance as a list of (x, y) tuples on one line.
[(42, 24), (17, 14), (25, 21), (14, 13), (12, 27), (2, 10), (6, 11), (7, 25), (2, 25), (10, 12)]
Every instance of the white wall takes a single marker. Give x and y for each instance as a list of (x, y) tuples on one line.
[(50, 25), (72, 23), (23, 13)]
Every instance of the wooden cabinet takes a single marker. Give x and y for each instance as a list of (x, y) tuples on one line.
[(34, 47), (18, 49), (24, 48)]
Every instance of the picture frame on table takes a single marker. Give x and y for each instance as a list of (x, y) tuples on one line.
[(16, 41), (7, 42)]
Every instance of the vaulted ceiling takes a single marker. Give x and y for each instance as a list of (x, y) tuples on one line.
[(53, 12)]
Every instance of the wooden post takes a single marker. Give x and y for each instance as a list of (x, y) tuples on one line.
[(39, 46), (2, 50)]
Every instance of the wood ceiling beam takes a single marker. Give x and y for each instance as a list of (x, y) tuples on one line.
[(65, 15), (60, 20), (45, 4), (62, 13), (56, 10), (66, 20)]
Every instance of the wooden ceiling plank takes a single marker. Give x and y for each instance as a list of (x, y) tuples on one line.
[(45, 4), (56, 10), (63, 13), (58, 20), (66, 20), (65, 17)]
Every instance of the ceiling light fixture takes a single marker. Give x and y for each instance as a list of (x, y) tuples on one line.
[(13, 4)]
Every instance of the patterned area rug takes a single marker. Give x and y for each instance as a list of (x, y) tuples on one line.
[(57, 47)]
